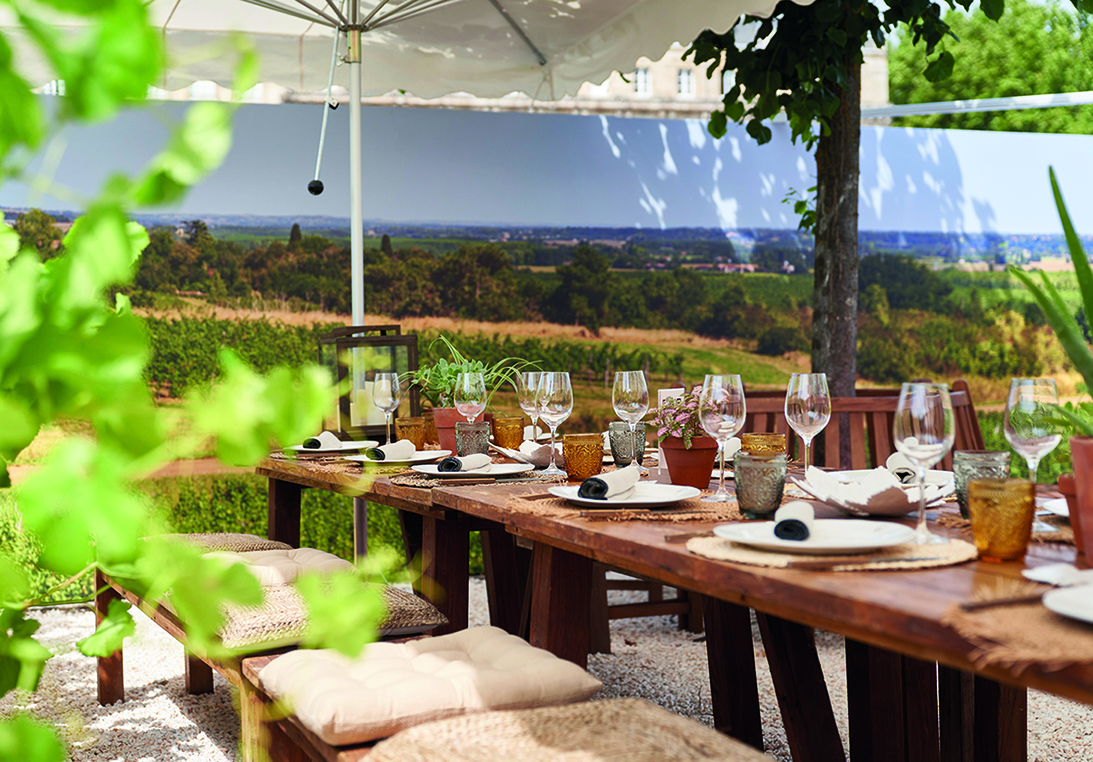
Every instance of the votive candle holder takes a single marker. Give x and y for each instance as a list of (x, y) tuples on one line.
[(583, 455), (1001, 512)]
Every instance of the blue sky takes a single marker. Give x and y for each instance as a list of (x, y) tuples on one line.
[(430, 165)]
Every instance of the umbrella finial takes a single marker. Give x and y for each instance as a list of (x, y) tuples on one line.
[(315, 187)]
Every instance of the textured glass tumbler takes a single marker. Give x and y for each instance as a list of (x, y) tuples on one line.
[(1001, 513), (508, 431), (472, 438), (977, 464), (763, 444), (583, 455), (622, 442), (412, 429), (760, 480)]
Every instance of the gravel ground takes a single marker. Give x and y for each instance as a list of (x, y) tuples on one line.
[(652, 659)]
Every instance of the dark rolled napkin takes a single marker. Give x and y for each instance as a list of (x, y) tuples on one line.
[(400, 450), (609, 485), (452, 464), (312, 444), (325, 441), (793, 521), (791, 529)]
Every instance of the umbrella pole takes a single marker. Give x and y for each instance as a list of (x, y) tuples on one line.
[(356, 236)]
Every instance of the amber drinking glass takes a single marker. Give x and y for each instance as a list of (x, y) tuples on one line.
[(508, 431), (412, 429), (1001, 511), (583, 455), (763, 444)]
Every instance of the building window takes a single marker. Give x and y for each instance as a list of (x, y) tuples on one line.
[(642, 83), (686, 82)]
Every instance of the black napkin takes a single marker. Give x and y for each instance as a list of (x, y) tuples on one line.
[(791, 529)]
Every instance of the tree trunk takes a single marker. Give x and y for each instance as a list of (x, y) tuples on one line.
[(835, 299)]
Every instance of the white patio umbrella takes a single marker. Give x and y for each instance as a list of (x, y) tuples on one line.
[(488, 48)]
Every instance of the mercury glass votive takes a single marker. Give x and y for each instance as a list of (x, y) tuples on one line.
[(760, 481), (763, 443), (412, 429), (508, 431), (472, 438), (977, 464), (583, 455), (1001, 512), (622, 442)]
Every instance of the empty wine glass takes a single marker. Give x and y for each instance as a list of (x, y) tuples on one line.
[(527, 391), (1027, 425), (721, 411), (630, 398), (555, 404), (923, 431), (470, 395), (386, 396), (808, 406)]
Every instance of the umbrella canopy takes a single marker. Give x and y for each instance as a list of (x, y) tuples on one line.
[(489, 48)]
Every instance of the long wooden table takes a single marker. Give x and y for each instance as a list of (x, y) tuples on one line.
[(892, 621)]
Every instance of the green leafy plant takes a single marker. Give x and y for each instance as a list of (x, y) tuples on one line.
[(437, 381), (1062, 321), (678, 417)]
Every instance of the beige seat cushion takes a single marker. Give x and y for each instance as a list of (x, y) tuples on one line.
[(396, 685), (229, 541), (282, 567), (622, 729)]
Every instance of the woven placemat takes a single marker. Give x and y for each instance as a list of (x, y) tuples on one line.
[(1019, 636), (927, 556), (330, 464), (1063, 531), (684, 510), (415, 479), (594, 731)]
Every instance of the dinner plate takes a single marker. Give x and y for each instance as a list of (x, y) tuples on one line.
[(828, 536), (343, 447), (421, 456), (492, 470), (1074, 602), (1056, 505), (644, 495)]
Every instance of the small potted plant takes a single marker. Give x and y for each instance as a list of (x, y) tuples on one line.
[(437, 382), (689, 453)]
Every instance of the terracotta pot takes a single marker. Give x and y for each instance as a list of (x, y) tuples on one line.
[(1069, 488), (444, 418), (693, 467), (1081, 455)]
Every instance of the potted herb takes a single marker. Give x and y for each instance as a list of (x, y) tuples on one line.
[(689, 453), (1078, 418), (437, 382)]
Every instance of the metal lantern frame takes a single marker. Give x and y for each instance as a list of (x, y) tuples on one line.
[(336, 350)]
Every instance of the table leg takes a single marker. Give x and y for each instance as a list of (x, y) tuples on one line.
[(111, 669), (560, 602), (284, 512), (802, 693), (412, 529), (892, 705), (446, 555), (199, 675), (982, 720), (504, 585), (731, 658), (360, 528)]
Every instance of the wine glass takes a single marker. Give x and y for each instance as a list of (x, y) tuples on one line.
[(630, 398), (470, 395), (1028, 430), (386, 396), (555, 404), (527, 391), (721, 411), (923, 430), (808, 406)]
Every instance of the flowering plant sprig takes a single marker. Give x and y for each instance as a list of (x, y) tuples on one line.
[(678, 417)]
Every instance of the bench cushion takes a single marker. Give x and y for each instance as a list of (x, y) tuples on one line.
[(621, 729), (283, 566), (392, 686)]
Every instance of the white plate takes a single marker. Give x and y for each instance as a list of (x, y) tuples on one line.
[(343, 447), (1074, 602), (829, 536), (492, 470), (421, 456), (644, 495), (1056, 505)]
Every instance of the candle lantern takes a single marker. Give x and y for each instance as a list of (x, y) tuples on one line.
[(354, 355)]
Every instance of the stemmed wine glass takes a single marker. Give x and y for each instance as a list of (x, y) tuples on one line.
[(555, 404), (1028, 430), (386, 396), (721, 411), (808, 406), (630, 398), (527, 392), (923, 430), (470, 395)]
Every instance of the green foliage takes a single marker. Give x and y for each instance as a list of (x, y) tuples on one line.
[(438, 378), (777, 340), (38, 230), (908, 284), (1054, 463), (1055, 55)]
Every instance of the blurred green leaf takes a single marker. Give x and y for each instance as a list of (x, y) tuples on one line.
[(196, 148), (23, 738), (110, 632), (21, 121), (14, 585), (941, 68), (343, 611), (22, 658)]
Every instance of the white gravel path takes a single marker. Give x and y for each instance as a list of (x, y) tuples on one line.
[(159, 722)]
